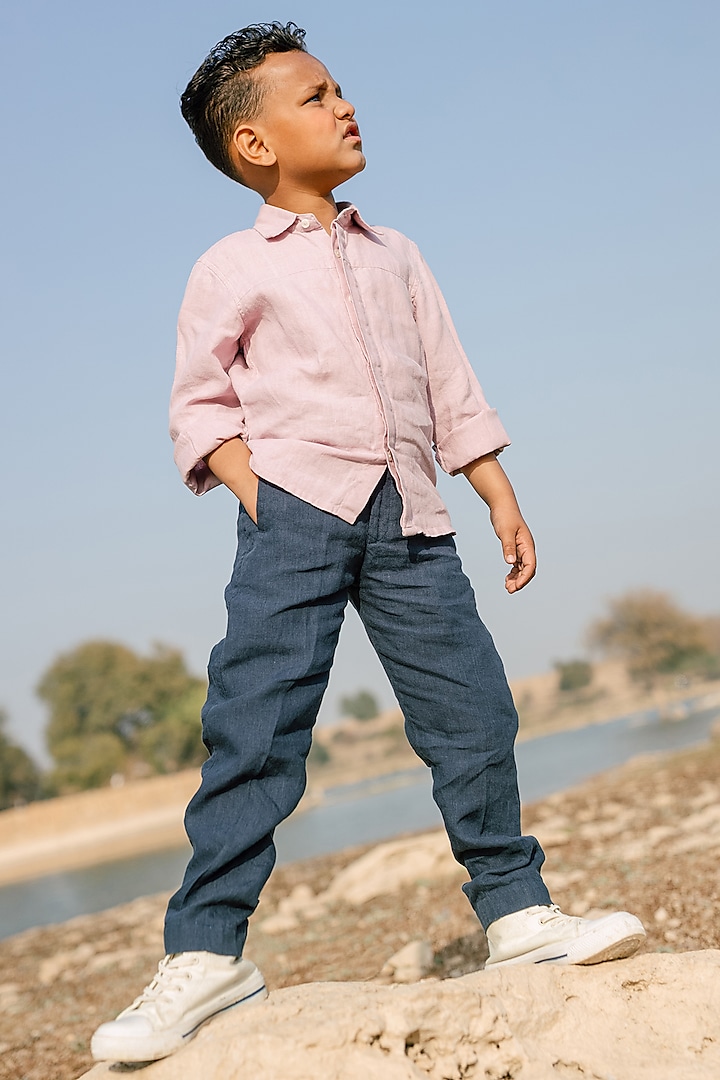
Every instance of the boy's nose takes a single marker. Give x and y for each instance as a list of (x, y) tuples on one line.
[(344, 109)]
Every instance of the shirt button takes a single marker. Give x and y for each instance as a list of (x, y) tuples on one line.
[(337, 254), (304, 223)]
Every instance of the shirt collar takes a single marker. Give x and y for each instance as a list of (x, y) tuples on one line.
[(272, 221)]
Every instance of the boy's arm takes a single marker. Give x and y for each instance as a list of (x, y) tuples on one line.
[(205, 412), (230, 463), (466, 429), (488, 478), (464, 426)]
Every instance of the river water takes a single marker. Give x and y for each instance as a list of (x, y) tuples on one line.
[(373, 810)]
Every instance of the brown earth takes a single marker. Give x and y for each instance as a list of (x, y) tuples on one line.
[(644, 837)]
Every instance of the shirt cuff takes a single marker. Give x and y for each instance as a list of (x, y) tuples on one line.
[(476, 437), (193, 469)]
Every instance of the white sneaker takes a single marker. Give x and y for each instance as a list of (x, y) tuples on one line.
[(544, 935), (188, 989)]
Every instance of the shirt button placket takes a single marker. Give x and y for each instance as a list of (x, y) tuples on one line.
[(389, 456)]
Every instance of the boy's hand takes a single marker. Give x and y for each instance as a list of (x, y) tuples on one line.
[(492, 485), (518, 547), (249, 500), (230, 462)]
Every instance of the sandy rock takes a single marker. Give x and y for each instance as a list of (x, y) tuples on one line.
[(632, 851), (606, 828), (56, 966), (695, 842), (9, 994), (312, 911), (118, 959), (553, 831), (409, 964), (557, 880), (279, 924), (710, 793), (708, 818), (387, 868), (392, 866), (302, 903), (663, 800), (654, 1017), (657, 834), (612, 808), (299, 898)]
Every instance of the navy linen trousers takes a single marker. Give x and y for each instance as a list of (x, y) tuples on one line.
[(293, 575)]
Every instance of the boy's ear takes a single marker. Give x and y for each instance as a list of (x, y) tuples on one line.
[(249, 145)]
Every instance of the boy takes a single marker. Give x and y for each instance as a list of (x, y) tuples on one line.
[(318, 372)]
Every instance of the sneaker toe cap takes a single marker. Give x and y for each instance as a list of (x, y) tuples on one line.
[(126, 1027), (131, 1038), (623, 921)]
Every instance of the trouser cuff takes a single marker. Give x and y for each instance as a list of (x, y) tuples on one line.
[(505, 899)]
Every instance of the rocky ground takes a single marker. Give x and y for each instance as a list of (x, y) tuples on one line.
[(644, 837), (651, 1017)]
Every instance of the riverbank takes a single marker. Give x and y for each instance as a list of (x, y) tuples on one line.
[(643, 837), (103, 825)]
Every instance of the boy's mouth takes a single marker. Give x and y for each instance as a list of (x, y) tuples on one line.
[(352, 131)]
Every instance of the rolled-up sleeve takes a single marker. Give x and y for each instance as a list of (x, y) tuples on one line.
[(204, 408), (465, 427)]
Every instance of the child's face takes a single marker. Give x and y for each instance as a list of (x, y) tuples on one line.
[(307, 129)]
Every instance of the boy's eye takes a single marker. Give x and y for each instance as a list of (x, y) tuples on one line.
[(315, 97)]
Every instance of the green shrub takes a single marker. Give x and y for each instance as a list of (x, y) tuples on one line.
[(573, 675)]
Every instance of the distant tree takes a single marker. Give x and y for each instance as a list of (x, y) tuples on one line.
[(711, 630), (20, 777), (652, 635), (319, 755), (573, 674), (711, 633), (362, 706), (87, 761), (105, 701), (174, 741)]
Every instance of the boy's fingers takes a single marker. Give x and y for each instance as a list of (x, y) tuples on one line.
[(508, 537), (519, 552), (528, 557), (524, 561)]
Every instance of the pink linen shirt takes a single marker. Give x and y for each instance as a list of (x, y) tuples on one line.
[(334, 357)]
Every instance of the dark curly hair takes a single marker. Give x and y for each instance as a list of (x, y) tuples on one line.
[(222, 92)]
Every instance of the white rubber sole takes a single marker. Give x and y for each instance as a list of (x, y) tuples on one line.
[(128, 1048), (614, 937)]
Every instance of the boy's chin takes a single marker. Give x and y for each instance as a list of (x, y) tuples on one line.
[(329, 182), (357, 168)]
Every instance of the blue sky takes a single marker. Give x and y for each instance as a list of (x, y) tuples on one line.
[(557, 162)]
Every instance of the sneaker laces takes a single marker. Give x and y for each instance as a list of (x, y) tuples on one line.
[(171, 976), (554, 914)]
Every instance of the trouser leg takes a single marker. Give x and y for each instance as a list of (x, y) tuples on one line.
[(285, 603), (419, 611)]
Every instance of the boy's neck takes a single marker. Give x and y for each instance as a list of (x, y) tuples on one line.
[(323, 207)]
